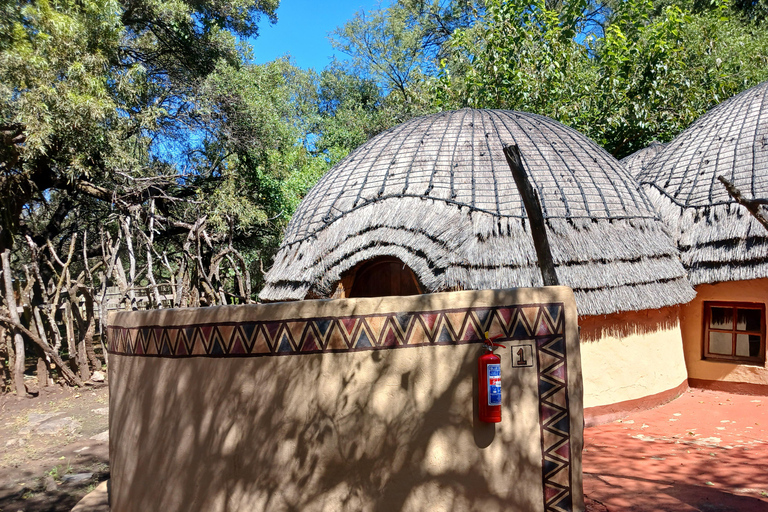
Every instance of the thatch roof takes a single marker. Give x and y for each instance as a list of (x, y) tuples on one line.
[(718, 239), (436, 192), (637, 161)]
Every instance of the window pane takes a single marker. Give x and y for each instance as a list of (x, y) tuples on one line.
[(721, 318), (747, 345), (748, 320), (720, 343), (742, 345)]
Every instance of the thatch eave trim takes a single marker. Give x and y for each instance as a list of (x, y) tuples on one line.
[(461, 206), (682, 205), (717, 243)]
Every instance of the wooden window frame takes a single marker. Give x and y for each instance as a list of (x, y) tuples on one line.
[(733, 358)]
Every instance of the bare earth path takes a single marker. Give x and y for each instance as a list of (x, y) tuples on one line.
[(705, 451), (53, 449)]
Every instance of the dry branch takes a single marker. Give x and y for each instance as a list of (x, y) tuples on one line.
[(752, 205), (70, 377)]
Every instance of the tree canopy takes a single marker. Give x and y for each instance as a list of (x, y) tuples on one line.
[(625, 73), (142, 150)]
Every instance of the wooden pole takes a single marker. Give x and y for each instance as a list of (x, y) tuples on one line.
[(535, 215)]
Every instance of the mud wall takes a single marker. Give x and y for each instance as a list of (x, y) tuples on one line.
[(631, 355), (351, 404)]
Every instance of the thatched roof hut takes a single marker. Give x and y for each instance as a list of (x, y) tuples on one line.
[(436, 193), (637, 161), (718, 239)]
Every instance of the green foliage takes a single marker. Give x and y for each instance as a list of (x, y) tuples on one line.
[(54, 82), (657, 76), (522, 56), (257, 119), (399, 46), (643, 73), (94, 84), (351, 110)]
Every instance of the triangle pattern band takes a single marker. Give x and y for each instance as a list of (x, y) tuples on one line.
[(542, 322)]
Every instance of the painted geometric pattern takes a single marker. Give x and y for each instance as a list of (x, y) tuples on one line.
[(339, 334), (543, 323), (554, 422)]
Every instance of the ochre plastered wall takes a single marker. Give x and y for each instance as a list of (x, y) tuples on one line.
[(630, 355), (368, 430), (692, 329)]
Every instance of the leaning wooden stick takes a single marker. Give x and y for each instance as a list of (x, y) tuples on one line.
[(753, 205), (535, 216)]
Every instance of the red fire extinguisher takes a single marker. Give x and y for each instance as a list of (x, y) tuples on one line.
[(489, 382)]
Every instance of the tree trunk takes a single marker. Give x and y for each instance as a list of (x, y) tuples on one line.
[(83, 333), (66, 372), (87, 327), (43, 361), (150, 248), (82, 361), (42, 371), (5, 355), (535, 216), (752, 205), (18, 341), (70, 328), (130, 282)]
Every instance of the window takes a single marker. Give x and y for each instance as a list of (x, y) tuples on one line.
[(734, 331)]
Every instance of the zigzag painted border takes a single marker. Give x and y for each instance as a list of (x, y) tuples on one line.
[(339, 334), (542, 323), (554, 423)]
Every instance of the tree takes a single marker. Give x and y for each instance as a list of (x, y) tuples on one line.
[(351, 109), (93, 89), (139, 149), (399, 46), (624, 73)]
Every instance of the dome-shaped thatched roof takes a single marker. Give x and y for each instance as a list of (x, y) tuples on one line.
[(718, 239), (436, 192), (637, 161)]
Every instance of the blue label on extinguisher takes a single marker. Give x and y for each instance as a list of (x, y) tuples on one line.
[(494, 384)]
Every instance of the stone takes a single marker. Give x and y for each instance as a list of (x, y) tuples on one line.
[(102, 411), (96, 501), (77, 478), (49, 484), (97, 376), (102, 437), (58, 425), (35, 419)]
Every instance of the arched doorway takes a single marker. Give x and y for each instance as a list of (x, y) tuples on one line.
[(381, 277)]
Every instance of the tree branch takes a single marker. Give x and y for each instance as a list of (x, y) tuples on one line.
[(753, 205)]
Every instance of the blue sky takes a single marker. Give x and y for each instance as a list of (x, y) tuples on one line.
[(302, 30)]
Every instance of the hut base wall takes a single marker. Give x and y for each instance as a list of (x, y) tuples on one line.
[(603, 414), (707, 372), (630, 356), (381, 418)]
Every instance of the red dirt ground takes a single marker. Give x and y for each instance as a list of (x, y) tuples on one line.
[(705, 451)]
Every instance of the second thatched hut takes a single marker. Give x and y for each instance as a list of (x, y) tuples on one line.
[(723, 247)]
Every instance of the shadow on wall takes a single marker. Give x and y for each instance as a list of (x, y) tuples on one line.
[(628, 323), (380, 431)]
